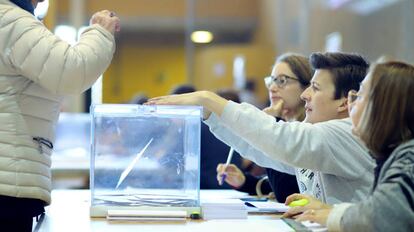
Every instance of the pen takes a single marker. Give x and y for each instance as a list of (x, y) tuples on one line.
[(223, 177)]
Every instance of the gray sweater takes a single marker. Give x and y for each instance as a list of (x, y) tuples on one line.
[(343, 170), (391, 205)]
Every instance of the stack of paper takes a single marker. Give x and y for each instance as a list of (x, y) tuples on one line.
[(223, 209)]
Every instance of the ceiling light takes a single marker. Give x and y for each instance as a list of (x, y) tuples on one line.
[(201, 37)]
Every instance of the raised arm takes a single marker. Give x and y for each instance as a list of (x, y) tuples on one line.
[(328, 147), (37, 54)]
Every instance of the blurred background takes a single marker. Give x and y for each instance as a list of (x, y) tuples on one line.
[(216, 44), (155, 51)]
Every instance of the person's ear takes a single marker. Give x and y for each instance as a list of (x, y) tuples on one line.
[(343, 107)]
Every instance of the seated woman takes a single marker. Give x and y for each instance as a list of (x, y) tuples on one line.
[(291, 75), (383, 117)]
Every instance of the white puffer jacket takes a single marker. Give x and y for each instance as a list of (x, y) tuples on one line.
[(36, 69)]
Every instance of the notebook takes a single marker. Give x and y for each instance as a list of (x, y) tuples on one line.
[(223, 209)]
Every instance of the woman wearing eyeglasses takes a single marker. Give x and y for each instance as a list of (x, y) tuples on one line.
[(290, 75), (383, 118)]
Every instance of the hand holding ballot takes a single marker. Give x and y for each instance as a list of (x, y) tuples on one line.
[(206, 99), (107, 20), (193, 98), (303, 204)]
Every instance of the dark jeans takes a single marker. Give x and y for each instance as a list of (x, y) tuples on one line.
[(22, 224), (16, 214)]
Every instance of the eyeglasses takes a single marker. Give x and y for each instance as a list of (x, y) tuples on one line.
[(281, 81), (352, 96)]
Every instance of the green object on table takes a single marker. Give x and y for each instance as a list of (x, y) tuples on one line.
[(301, 202), (195, 215)]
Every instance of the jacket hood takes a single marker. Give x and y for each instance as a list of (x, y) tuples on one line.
[(25, 5)]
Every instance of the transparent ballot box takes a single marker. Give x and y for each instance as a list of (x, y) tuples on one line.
[(145, 158)]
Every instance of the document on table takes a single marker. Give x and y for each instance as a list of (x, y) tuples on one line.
[(305, 226), (266, 207), (223, 209), (267, 225)]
